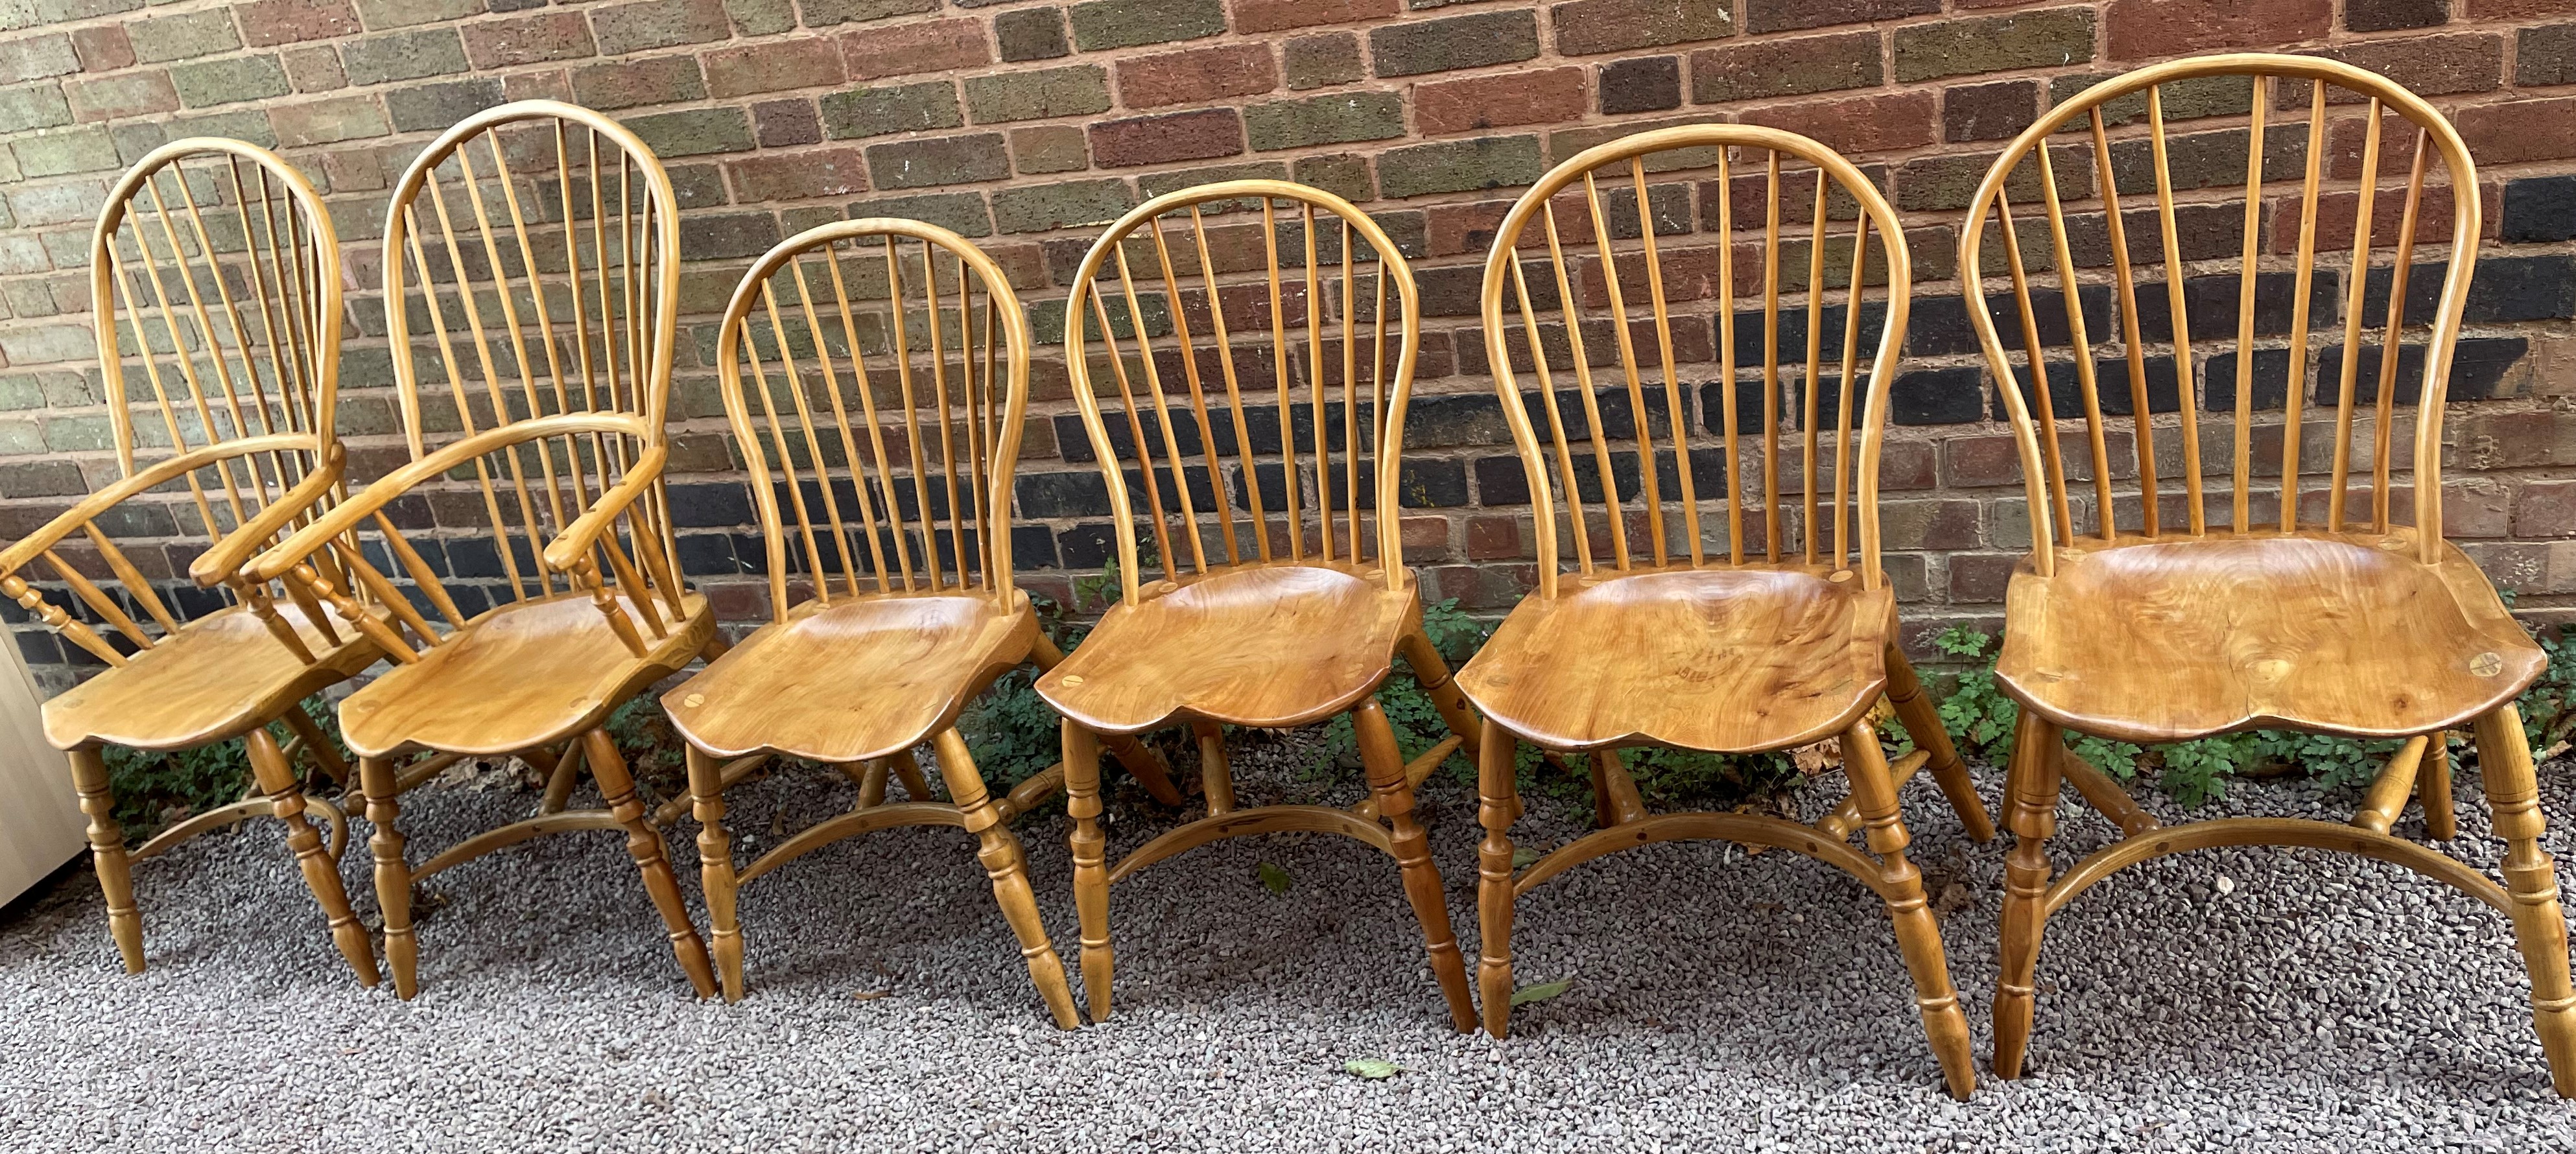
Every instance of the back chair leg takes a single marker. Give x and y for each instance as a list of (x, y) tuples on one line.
[(393, 873), (2504, 765), (1432, 671), (1004, 863), (1918, 936), (1385, 766), (1497, 805), (107, 854), (2433, 786), (321, 873), (907, 769), (715, 866), (644, 844), (2031, 788), (1922, 721), (1090, 866)]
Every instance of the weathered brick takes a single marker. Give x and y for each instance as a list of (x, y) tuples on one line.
[(1855, 124), (2520, 131), (205, 83), (1323, 59), (1078, 90), (1997, 111), (643, 25), (431, 107), (1459, 166), (1500, 101), (1959, 47), (798, 175), (925, 46), (314, 68), (408, 55), (1197, 76), (784, 123), (382, 14), (267, 23), (179, 37), (1031, 34), (2138, 29), (1339, 119), (103, 49), (1049, 148), (627, 83), (1793, 67), (328, 121), (1279, 15), (1039, 208), (772, 67), (37, 57), (119, 97), (1103, 24), (1155, 184), (32, 107), (885, 110), (65, 150), (1452, 42), (1645, 84), (2539, 209), (2426, 65), (1200, 135), (825, 13), (556, 35), (2545, 55), (1346, 177), (1790, 15), (1589, 27), (938, 160), (695, 132), (2387, 15)]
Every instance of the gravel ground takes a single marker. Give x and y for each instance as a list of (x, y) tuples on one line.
[(2232, 1000)]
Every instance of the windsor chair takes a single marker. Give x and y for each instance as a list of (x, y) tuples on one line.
[(2157, 615), (541, 274), (1271, 610), (858, 677), (1745, 646), (215, 271)]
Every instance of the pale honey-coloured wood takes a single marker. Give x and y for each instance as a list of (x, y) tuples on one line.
[(1665, 643)]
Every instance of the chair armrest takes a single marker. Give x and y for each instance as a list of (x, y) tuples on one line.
[(575, 542), (218, 564), (34, 545)]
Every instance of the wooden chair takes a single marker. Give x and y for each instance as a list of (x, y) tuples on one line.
[(2140, 618), (867, 460), (214, 270), (533, 249), (1277, 605), (1744, 645)]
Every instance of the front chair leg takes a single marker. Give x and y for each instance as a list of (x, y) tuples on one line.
[(1922, 722), (1432, 671), (321, 873), (1008, 867), (107, 854), (2031, 787), (1090, 872), (2513, 792), (715, 866), (644, 844), (1497, 803), (1918, 936), (1385, 765), (393, 873)]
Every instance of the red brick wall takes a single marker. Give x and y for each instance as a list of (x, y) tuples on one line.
[(1023, 122)]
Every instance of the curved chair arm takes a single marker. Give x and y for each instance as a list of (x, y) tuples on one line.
[(577, 539), (219, 564), (35, 544)]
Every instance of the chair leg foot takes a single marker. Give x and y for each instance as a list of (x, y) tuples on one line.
[(715, 868), (2513, 792), (107, 855), (1385, 766), (1918, 936), (321, 872), (2031, 791), (1090, 867), (393, 873), (1497, 802), (1008, 867), (644, 844)]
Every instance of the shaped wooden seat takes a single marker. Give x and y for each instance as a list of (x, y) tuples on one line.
[(2141, 617), (2178, 638), (855, 671), (1250, 623), (219, 248), (556, 370), (1665, 642)]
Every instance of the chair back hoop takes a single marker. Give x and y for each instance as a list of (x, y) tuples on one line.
[(2341, 149), (607, 179), (1516, 289), (912, 341), (1224, 291)]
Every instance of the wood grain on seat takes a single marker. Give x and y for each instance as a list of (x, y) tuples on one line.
[(1735, 660), (220, 675)]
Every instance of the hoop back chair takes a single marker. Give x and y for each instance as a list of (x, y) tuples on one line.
[(215, 282), (1218, 338), (876, 375), (2155, 613), (532, 249), (1657, 636)]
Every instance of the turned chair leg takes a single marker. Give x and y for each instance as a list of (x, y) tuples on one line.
[(2504, 766), (321, 873), (1432, 670), (715, 866), (1090, 866), (1497, 804), (393, 873), (1146, 766), (2031, 788), (107, 854), (1008, 867), (644, 844), (2433, 787), (1918, 936), (1922, 722), (1385, 766)]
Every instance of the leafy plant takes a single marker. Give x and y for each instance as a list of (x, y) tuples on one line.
[(155, 789)]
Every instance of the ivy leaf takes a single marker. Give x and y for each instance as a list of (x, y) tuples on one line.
[(1522, 856), (1275, 879), (1373, 1069), (1542, 992)]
